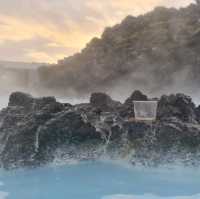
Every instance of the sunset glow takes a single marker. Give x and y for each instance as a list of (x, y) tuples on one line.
[(48, 30)]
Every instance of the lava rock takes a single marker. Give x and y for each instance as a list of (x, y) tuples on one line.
[(127, 110), (33, 130), (179, 106), (136, 96), (103, 102), (198, 113), (21, 99)]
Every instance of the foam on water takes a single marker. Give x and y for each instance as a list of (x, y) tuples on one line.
[(3, 195), (149, 196)]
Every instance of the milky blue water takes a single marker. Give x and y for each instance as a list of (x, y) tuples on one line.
[(100, 180)]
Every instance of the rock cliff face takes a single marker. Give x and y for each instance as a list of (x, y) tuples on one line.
[(36, 131), (156, 51)]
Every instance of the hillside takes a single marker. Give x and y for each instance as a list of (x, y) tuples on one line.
[(157, 52)]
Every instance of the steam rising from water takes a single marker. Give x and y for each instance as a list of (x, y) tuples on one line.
[(3, 101)]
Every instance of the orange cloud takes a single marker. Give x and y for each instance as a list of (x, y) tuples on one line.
[(39, 56), (17, 29), (65, 24)]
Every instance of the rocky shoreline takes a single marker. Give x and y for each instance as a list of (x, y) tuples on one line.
[(35, 131)]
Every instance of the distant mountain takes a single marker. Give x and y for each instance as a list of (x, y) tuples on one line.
[(156, 52), (20, 65)]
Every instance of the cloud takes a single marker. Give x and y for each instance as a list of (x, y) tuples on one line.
[(34, 49), (64, 25)]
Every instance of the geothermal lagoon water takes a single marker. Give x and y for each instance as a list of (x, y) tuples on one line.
[(100, 180)]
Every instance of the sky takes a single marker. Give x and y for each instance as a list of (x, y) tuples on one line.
[(49, 30)]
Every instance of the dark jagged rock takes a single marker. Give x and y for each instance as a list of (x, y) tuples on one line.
[(179, 106), (65, 129), (33, 131), (103, 102), (20, 99), (136, 130), (197, 111), (136, 96), (30, 104), (127, 110)]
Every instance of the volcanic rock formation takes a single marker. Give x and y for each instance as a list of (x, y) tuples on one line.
[(36, 131)]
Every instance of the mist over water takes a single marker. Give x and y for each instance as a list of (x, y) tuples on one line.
[(3, 101), (29, 82)]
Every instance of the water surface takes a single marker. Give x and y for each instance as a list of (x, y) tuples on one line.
[(100, 180)]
